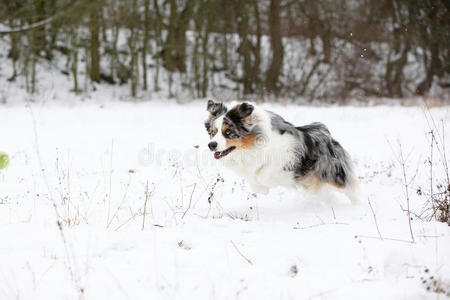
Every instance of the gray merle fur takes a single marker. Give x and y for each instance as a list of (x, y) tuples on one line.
[(318, 152), (235, 118), (216, 109)]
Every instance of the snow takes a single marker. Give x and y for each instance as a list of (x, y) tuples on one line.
[(95, 160)]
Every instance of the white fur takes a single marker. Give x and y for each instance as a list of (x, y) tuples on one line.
[(219, 138), (261, 166)]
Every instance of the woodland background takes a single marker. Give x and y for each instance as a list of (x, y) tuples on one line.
[(328, 50)]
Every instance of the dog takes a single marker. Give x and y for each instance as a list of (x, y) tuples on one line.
[(268, 151)]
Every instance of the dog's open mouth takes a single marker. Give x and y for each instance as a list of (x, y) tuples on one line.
[(220, 154)]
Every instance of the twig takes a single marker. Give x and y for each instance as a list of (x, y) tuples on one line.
[(145, 206), (444, 161), (190, 201), (211, 193), (40, 23), (432, 126), (401, 160), (200, 176), (375, 219), (240, 253), (431, 168), (418, 216), (147, 197), (110, 180), (320, 224), (406, 184), (126, 222), (257, 207), (120, 205), (387, 239), (334, 215)]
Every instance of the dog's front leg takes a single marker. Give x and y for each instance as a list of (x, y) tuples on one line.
[(258, 188)]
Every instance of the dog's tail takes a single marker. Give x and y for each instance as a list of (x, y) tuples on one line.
[(352, 189), (344, 174)]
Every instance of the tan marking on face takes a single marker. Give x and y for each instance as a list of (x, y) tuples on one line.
[(224, 128), (214, 130), (245, 142)]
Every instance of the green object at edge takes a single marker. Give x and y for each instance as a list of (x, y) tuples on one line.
[(4, 160)]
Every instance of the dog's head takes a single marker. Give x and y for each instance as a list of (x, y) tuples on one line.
[(230, 130)]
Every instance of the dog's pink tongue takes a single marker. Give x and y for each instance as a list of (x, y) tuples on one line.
[(217, 155)]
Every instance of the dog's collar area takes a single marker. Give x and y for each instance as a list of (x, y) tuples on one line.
[(220, 154)]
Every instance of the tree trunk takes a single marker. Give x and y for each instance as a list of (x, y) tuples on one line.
[(245, 51), (39, 33), (133, 51), (255, 76), (145, 42), (209, 6), (431, 36), (52, 31), (74, 66), (174, 52), (274, 71), (94, 24), (399, 46), (14, 52), (157, 25)]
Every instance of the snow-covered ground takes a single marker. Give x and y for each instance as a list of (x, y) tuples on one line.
[(131, 184)]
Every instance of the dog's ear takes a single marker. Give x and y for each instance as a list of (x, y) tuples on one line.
[(245, 109), (216, 108)]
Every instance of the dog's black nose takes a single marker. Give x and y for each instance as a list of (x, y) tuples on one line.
[(212, 146)]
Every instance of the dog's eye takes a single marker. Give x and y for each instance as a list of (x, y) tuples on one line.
[(228, 132)]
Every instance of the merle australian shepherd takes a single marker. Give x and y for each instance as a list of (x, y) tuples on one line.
[(268, 151)]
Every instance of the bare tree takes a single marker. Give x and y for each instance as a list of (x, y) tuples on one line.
[(94, 27), (276, 64)]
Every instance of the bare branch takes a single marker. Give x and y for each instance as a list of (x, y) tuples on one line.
[(190, 201), (406, 185), (387, 239), (7, 30), (375, 219), (147, 197), (240, 253)]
